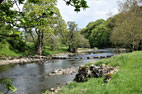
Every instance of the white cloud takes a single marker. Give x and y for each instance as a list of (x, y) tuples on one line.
[(98, 10)]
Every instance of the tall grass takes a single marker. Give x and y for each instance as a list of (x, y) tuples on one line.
[(128, 80)]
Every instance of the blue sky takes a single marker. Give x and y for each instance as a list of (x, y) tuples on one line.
[(98, 10)]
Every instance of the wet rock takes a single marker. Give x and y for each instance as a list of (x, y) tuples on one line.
[(102, 56), (109, 56), (62, 71), (95, 57), (89, 57), (76, 57)]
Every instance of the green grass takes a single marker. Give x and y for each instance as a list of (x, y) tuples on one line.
[(5, 50), (128, 80), (48, 51)]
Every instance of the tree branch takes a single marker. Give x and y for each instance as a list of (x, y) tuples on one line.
[(8, 35), (17, 5), (69, 4)]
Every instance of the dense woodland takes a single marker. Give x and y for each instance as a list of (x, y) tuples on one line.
[(121, 30), (39, 28)]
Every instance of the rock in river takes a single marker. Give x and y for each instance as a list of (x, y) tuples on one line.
[(62, 71)]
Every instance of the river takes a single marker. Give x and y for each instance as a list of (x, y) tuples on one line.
[(33, 78)]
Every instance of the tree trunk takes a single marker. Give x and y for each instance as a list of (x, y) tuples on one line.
[(140, 45), (69, 49), (133, 45), (39, 43)]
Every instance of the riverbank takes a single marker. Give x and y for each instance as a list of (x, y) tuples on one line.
[(5, 60), (8, 56), (61, 53), (19, 61), (126, 81)]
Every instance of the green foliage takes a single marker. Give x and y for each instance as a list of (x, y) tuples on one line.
[(47, 92), (15, 47), (100, 36), (8, 84), (37, 18), (6, 50), (48, 51), (74, 39), (54, 42), (128, 26), (126, 81), (43, 20), (88, 30), (78, 4), (98, 33)]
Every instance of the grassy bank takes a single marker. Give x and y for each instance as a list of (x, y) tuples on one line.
[(128, 80), (48, 51), (7, 49)]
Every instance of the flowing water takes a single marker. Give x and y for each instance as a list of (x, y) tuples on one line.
[(33, 78)]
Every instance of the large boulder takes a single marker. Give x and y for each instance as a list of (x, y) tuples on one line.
[(94, 71), (82, 75)]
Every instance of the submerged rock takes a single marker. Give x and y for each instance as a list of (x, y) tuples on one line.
[(62, 71)]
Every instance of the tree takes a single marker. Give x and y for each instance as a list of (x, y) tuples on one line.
[(98, 33), (8, 18), (128, 30), (41, 20), (100, 37), (53, 42), (88, 30), (78, 4), (74, 38)]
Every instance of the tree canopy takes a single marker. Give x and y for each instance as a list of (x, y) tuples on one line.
[(98, 33), (127, 31), (74, 38), (77, 4)]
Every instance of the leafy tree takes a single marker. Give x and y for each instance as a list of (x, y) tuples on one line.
[(41, 20), (127, 31), (88, 30), (54, 42), (9, 19), (77, 4), (98, 32), (100, 37), (74, 38)]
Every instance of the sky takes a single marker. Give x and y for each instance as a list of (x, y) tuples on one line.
[(98, 9)]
